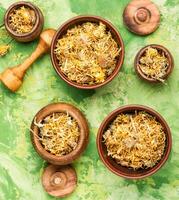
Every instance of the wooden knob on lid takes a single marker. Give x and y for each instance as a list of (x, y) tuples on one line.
[(141, 17), (59, 181)]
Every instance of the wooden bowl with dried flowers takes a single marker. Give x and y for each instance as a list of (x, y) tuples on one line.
[(154, 63), (59, 133), (24, 21), (134, 141), (87, 52)]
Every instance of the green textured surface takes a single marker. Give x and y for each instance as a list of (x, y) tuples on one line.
[(21, 167)]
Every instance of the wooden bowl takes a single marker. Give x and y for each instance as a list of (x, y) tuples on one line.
[(124, 171), (38, 26), (142, 52), (77, 21), (83, 139)]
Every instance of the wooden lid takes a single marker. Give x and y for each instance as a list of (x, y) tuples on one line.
[(141, 17), (59, 181)]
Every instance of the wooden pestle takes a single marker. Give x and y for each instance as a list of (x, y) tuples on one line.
[(12, 77)]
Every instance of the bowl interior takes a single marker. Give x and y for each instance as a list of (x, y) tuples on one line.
[(16, 6), (160, 49), (78, 21), (83, 127), (124, 171)]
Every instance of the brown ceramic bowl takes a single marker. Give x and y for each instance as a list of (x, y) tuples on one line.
[(83, 139), (38, 26), (142, 52), (77, 21), (124, 171)]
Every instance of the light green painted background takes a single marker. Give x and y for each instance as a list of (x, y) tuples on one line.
[(21, 167)]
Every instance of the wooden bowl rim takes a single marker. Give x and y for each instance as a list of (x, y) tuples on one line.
[(72, 22), (110, 118), (84, 133), (167, 54), (19, 4)]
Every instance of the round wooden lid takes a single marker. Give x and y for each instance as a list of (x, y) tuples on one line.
[(59, 181), (141, 17)]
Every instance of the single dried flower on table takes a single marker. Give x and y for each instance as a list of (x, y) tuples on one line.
[(4, 49), (135, 140), (59, 133), (87, 53)]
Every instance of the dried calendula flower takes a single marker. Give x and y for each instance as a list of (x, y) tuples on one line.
[(4, 49), (22, 20), (154, 64), (135, 140), (59, 133), (87, 53)]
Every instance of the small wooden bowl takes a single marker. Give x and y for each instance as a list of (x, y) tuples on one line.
[(142, 52), (38, 26), (83, 139), (124, 171), (77, 21)]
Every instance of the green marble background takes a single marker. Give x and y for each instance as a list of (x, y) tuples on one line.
[(21, 167)]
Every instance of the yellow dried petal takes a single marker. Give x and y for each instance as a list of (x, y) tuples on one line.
[(4, 49)]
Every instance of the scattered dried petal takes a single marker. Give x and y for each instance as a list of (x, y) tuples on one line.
[(4, 49)]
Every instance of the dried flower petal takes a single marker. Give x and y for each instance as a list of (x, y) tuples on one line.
[(4, 49)]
